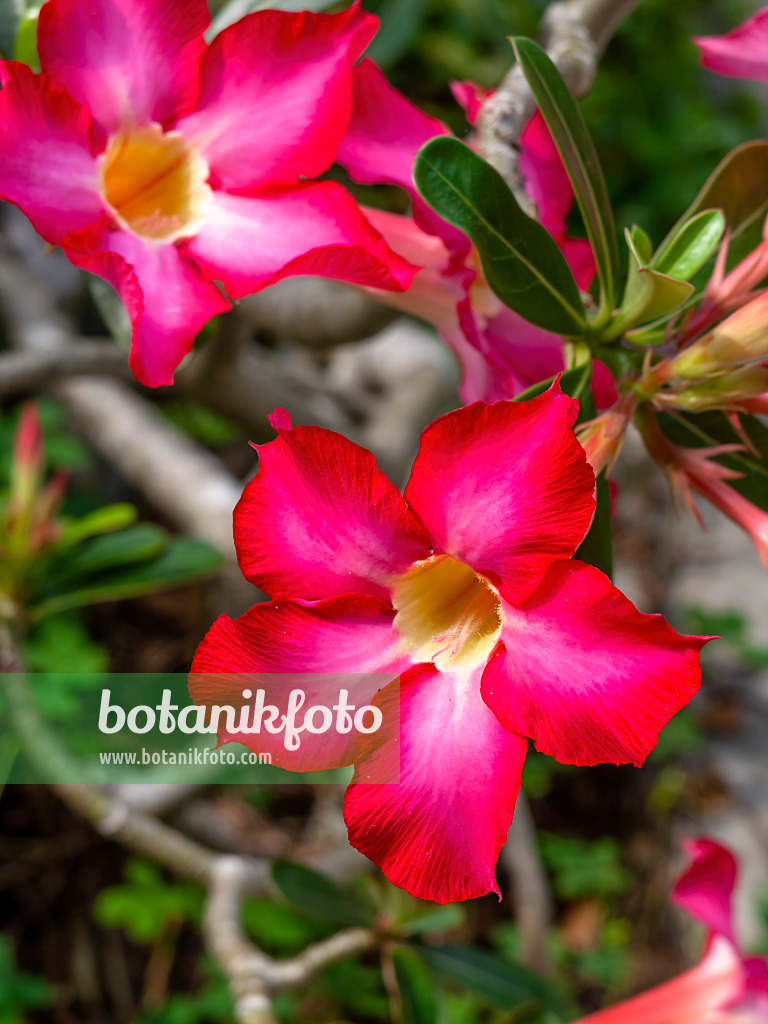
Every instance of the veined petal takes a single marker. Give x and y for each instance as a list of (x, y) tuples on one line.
[(385, 131), (276, 94), (126, 60), (436, 833), (742, 53), (345, 642), (584, 674), (249, 242), (505, 488), (705, 888), (166, 297), (320, 519), (47, 166)]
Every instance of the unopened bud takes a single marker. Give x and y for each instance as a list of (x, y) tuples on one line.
[(741, 338)]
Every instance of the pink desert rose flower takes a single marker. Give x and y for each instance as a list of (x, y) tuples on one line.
[(499, 352), (741, 53), (463, 592), (165, 165), (725, 987)]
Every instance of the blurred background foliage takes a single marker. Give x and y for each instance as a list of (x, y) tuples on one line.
[(660, 123)]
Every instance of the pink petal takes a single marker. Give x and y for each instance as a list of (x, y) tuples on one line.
[(505, 488), (470, 98), (276, 94), (127, 60), (704, 890), (249, 242), (385, 132), (320, 519), (167, 300), (584, 674), (346, 642), (437, 833), (699, 996), (47, 166), (741, 53)]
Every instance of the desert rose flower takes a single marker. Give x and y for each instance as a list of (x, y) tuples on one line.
[(499, 352), (741, 53), (725, 987), (165, 165), (463, 592)]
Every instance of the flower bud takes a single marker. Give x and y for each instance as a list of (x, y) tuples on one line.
[(741, 338)]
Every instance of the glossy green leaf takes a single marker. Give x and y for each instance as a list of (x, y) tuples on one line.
[(739, 187), (418, 997), (688, 250), (25, 47), (125, 547), (597, 546), (702, 430), (574, 143), (521, 261), (184, 560), (506, 984), (401, 23), (319, 897), (433, 919), (648, 294)]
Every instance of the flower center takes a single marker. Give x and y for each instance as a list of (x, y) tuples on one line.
[(154, 183), (446, 613)]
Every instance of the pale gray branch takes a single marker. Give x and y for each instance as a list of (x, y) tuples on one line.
[(574, 33), (531, 897), (30, 371)]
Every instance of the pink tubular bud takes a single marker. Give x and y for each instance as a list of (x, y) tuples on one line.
[(741, 338)]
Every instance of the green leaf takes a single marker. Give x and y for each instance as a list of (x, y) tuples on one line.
[(506, 984), (125, 547), (401, 23), (648, 294), (101, 520), (319, 897), (11, 12), (597, 546), (702, 430), (739, 187), (433, 919), (574, 143), (417, 989), (521, 261), (688, 250), (25, 47), (184, 560), (575, 382)]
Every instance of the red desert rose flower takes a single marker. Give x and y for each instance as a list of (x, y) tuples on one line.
[(463, 590), (165, 165), (740, 53), (725, 987)]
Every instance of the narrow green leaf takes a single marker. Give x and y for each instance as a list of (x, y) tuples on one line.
[(597, 546), (319, 897), (25, 47), (688, 250), (401, 23), (418, 997), (125, 547), (438, 919), (739, 187), (574, 143), (575, 382), (101, 520), (506, 984), (648, 294), (521, 261), (184, 560), (703, 430)]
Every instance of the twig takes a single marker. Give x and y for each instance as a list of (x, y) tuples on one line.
[(255, 977), (30, 371), (530, 892), (574, 33)]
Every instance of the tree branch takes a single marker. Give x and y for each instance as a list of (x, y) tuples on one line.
[(574, 33), (530, 892), (30, 371)]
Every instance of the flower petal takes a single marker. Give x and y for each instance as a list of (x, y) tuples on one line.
[(505, 488), (742, 53), (436, 833), (276, 94), (346, 642), (249, 242), (585, 674), (127, 60), (705, 888), (320, 519), (166, 297), (46, 163)]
